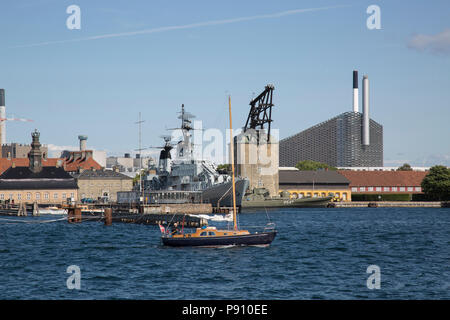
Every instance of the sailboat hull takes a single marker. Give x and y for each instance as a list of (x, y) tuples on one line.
[(253, 239)]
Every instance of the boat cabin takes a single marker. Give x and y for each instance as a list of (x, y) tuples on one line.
[(210, 232)]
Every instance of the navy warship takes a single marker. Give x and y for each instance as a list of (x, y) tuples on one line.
[(193, 176)]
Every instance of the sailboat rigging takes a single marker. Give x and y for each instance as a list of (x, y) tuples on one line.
[(211, 236)]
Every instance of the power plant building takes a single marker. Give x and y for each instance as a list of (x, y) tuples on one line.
[(350, 139)]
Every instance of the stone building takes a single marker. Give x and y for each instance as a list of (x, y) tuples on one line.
[(36, 182), (18, 150), (256, 158), (102, 184)]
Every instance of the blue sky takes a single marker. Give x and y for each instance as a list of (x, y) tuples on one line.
[(98, 86)]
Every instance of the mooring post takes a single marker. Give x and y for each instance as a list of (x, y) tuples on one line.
[(108, 216), (70, 214), (77, 214), (22, 211), (35, 209)]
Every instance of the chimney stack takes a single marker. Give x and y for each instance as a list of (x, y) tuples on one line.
[(355, 92), (83, 140), (366, 117), (3, 116)]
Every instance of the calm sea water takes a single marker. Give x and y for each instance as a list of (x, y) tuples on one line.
[(318, 254)]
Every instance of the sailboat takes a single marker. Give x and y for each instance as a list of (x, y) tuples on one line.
[(213, 237)]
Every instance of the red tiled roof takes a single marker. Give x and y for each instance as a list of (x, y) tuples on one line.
[(89, 163), (384, 178)]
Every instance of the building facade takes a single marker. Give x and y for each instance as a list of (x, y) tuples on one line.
[(36, 182), (336, 142), (320, 183), (256, 159), (102, 184), (128, 165), (18, 150), (382, 184)]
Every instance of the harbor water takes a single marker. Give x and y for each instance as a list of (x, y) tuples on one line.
[(317, 254)]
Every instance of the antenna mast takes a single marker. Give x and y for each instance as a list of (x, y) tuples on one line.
[(141, 189)]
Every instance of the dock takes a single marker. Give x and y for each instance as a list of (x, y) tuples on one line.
[(389, 204), (144, 214)]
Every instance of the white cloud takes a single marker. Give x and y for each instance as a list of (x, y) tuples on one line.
[(54, 151), (438, 43)]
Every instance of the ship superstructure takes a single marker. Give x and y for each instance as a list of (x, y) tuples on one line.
[(186, 173)]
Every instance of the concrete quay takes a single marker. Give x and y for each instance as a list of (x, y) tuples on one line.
[(389, 204)]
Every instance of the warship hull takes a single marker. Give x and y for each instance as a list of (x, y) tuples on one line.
[(221, 195)]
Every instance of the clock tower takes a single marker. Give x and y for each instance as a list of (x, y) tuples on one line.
[(35, 155)]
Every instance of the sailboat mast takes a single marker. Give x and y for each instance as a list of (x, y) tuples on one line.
[(232, 165)]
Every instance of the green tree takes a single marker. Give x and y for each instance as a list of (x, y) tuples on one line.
[(405, 167), (136, 179), (224, 168), (313, 165), (436, 184)]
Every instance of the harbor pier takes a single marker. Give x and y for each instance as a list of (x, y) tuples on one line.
[(389, 204)]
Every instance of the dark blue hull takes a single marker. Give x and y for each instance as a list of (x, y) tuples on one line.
[(253, 239), (221, 195)]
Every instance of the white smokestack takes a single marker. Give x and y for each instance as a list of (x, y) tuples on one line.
[(366, 117), (3, 117), (355, 92)]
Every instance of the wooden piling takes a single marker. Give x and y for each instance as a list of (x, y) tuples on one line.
[(35, 209), (77, 215), (70, 214), (108, 216), (22, 211)]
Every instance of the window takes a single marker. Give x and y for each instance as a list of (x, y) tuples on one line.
[(402, 188), (28, 196), (46, 195), (204, 233), (2, 196), (394, 189), (211, 233), (362, 188), (72, 195), (378, 188), (11, 196), (55, 196), (354, 189), (38, 196), (410, 188), (386, 189), (370, 189), (419, 189), (63, 195), (19, 196)]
